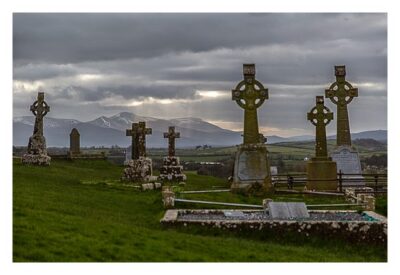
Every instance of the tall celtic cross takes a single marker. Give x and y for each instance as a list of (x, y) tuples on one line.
[(250, 94), (138, 133), (171, 135), (39, 108), (342, 93), (320, 116)]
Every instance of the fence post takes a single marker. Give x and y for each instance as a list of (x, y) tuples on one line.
[(340, 181)]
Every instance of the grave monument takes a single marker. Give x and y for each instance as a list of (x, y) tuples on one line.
[(251, 168), (171, 169), (139, 167), (37, 152), (321, 170), (74, 143), (346, 157)]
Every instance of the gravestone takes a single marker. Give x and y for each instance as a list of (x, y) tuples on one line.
[(37, 151), (74, 142), (171, 169), (347, 159), (288, 210), (251, 168), (321, 170), (140, 167)]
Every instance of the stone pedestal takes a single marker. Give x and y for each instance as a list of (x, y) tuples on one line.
[(172, 170), (37, 152), (348, 161), (138, 170), (321, 174), (251, 170)]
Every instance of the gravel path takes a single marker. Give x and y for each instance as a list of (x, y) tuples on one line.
[(340, 216)]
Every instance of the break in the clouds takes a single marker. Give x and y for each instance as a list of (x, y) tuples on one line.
[(178, 65)]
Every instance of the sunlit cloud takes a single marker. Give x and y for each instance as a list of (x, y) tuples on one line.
[(212, 94)]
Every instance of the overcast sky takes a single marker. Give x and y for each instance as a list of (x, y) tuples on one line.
[(185, 65)]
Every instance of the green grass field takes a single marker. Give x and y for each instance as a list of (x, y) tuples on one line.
[(59, 217)]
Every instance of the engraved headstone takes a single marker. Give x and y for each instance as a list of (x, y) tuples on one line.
[(288, 210), (252, 166), (251, 170), (37, 151), (348, 163)]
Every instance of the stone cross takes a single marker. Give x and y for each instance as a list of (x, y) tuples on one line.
[(39, 108), (74, 141), (143, 131), (134, 134), (171, 135), (342, 93), (320, 116), (250, 94), (138, 133)]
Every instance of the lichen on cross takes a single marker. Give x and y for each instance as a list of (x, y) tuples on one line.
[(342, 93), (250, 94), (320, 116), (171, 135)]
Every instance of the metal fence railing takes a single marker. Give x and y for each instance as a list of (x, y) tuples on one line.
[(378, 182)]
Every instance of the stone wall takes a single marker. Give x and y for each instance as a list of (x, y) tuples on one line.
[(353, 231)]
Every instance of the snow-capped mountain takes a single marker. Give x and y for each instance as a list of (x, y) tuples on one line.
[(108, 131)]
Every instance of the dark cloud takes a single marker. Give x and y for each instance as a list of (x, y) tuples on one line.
[(73, 38), (96, 64)]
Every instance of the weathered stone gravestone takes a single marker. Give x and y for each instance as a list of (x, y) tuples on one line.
[(37, 151), (288, 210), (140, 168), (74, 142), (321, 170), (171, 169), (251, 168), (346, 157)]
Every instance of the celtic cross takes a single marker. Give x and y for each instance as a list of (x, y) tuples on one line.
[(250, 94), (342, 93), (39, 108), (138, 133), (320, 116), (134, 134), (142, 132), (171, 135)]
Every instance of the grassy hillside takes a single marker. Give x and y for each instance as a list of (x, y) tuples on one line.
[(77, 211)]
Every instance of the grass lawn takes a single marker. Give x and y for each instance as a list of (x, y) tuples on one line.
[(58, 217)]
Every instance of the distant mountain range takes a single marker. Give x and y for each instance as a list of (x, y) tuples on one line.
[(108, 131)]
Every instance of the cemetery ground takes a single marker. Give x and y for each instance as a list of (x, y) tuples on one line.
[(77, 211)]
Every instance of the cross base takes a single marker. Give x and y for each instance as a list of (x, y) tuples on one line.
[(36, 159), (138, 170), (321, 174), (172, 170), (251, 170)]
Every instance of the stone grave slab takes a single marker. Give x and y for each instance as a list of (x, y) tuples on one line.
[(233, 214), (288, 210)]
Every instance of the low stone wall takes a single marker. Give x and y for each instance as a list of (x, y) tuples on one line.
[(355, 231)]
